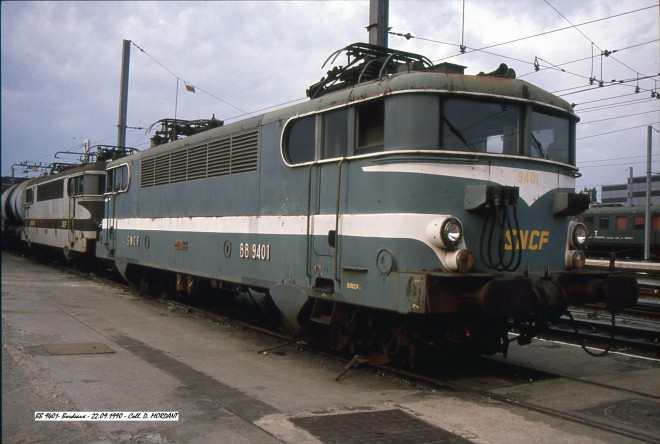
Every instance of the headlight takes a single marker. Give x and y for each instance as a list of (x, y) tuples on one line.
[(579, 236), (445, 232), (451, 232)]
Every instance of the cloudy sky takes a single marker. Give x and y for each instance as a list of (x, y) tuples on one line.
[(61, 64)]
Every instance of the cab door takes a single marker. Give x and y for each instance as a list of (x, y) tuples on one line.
[(116, 182), (328, 195), (110, 222), (27, 212), (73, 192), (323, 218)]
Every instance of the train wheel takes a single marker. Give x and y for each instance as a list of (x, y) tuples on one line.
[(343, 332), (396, 346), (167, 287)]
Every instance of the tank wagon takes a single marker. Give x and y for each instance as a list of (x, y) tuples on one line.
[(13, 210), (621, 230)]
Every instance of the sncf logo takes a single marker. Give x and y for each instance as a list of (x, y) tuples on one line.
[(526, 239)]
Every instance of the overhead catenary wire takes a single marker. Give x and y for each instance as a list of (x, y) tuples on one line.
[(607, 98), (616, 158), (198, 88), (605, 85), (617, 131), (604, 53), (581, 167), (558, 65), (613, 82), (617, 104), (617, 117), (409, 36), (580, 89), (622, 161), (601, 82), (288, 102), (187, 82), (462, 41)]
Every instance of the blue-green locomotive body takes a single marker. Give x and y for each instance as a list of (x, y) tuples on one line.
[(416, 203)]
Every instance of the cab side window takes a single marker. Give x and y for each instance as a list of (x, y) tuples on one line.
[(117, 179), (335, 134), (370, 126), (94, 184), (72, 186), (300, 140)]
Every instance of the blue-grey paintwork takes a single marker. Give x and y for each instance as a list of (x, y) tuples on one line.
[(277, 189)]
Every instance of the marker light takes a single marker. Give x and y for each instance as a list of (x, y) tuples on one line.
[(577, 259)]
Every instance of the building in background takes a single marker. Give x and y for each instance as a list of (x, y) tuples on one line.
[(626, 195)]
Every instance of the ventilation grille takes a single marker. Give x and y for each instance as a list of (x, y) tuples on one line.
[(50, 190), (232, 154), (147, 172)]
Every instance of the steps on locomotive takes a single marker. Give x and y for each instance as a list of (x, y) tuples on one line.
[(323, 309)]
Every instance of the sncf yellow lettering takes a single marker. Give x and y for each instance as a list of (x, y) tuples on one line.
[(526, 239)]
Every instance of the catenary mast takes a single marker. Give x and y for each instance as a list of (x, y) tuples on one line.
[(123, 94), (378, 22)]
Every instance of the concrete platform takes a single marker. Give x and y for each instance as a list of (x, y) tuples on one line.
[(73, 344)]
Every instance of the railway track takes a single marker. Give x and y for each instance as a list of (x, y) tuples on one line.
[(627, 333), (467, 375), (520, 375), (637, 329)]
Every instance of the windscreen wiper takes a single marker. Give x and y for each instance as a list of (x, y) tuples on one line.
[(458, 134), (539, 146)]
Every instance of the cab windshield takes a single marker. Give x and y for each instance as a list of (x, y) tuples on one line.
[(423, 122), (481, 127), (416, 122), (549, 138)]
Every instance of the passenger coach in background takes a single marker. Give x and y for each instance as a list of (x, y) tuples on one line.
[(621, 230)]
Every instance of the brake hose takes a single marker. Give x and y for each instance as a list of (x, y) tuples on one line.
[(497, 217), (581, 341)]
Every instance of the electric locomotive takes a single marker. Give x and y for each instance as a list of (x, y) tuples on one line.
[(405, 204), (61, 212)]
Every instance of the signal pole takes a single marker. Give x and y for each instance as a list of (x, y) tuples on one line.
[(649, 222)]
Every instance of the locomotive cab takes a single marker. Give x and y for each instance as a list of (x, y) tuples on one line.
[(449, 195), (64, 211)]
